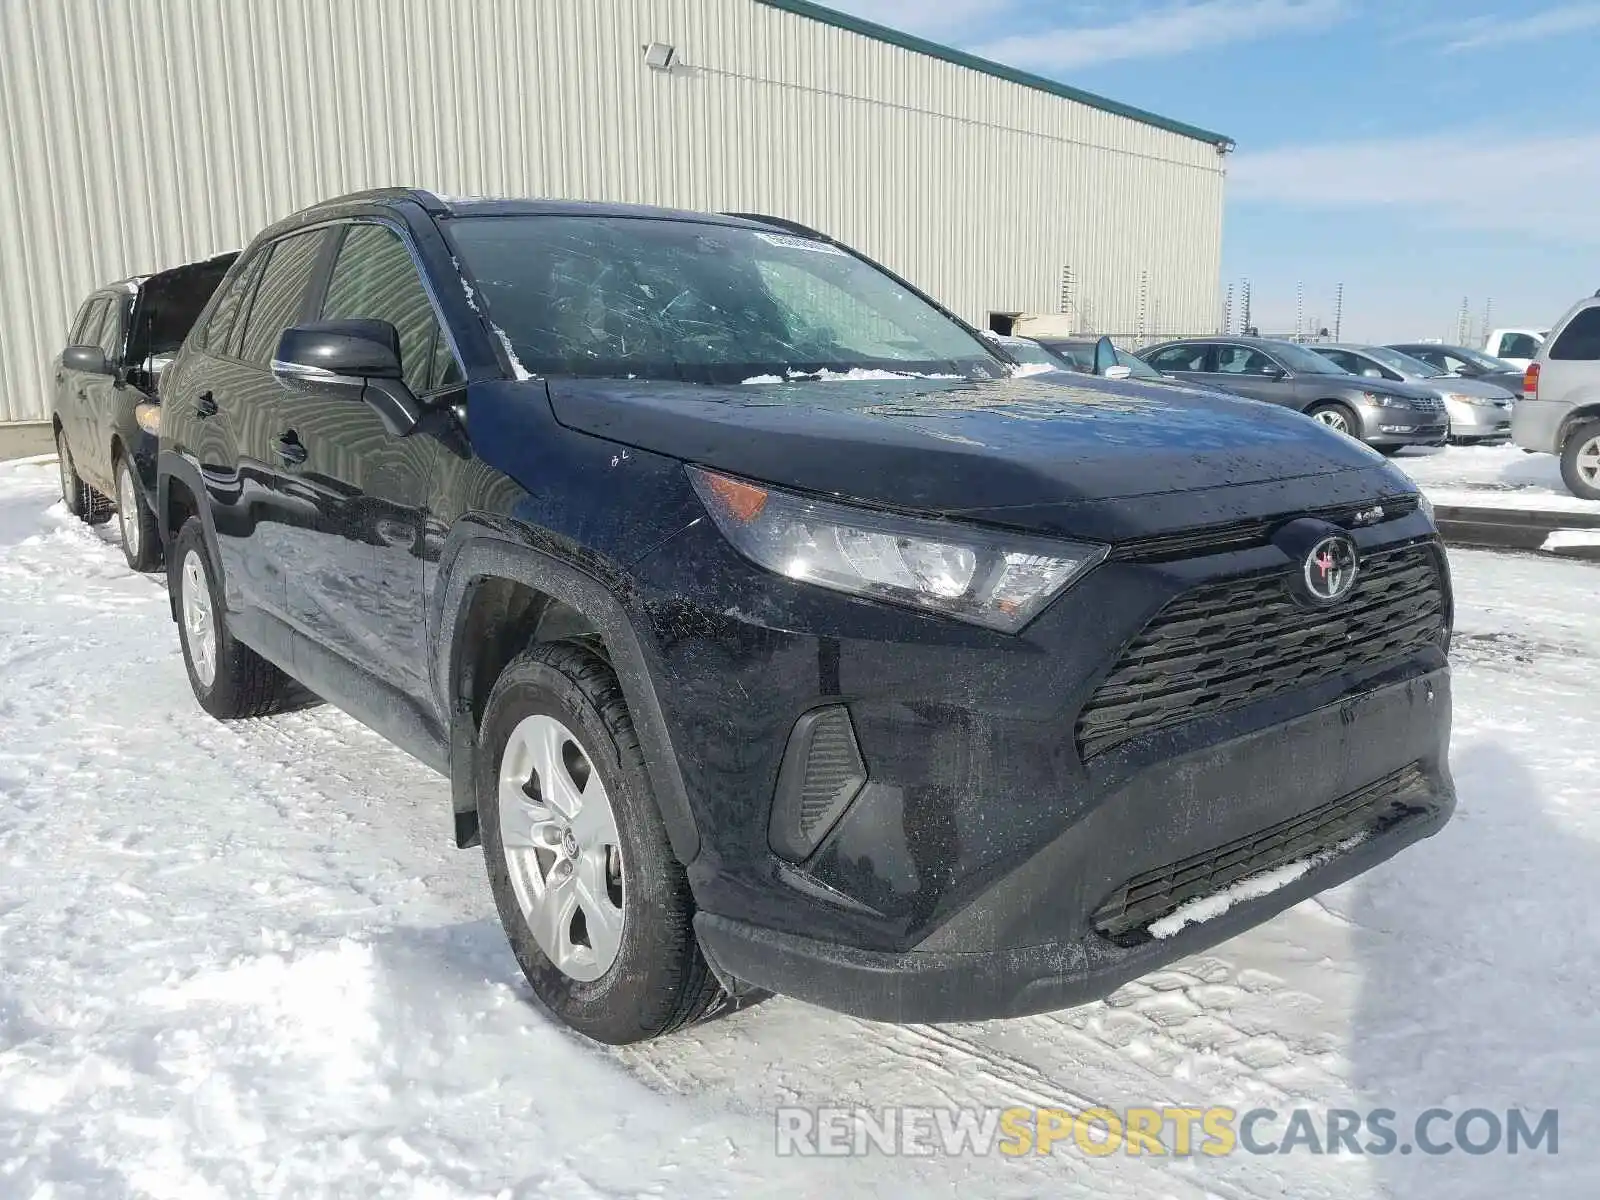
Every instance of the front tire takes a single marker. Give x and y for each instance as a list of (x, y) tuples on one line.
[(1336, 417), (229, 679), (141, 539), (1580, 461), (597, 909)]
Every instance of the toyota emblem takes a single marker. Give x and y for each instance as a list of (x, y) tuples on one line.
[(1331, 569)]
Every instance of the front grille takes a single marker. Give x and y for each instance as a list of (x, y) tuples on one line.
[(1235, 641), (1427, 404), (1250, 534), (1146, 898)]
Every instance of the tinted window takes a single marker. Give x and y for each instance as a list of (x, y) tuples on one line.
[(110, 334), (1518, 345), (87, 330), (375, 277), (1580, 340), (1356, 364), (1179, 358), (1077, 355), (280, 297), (615, 296), (1241, 360), (219, 326)]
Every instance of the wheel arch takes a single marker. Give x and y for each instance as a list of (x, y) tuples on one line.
[(496, 596), (178, 492), (1583, 413)]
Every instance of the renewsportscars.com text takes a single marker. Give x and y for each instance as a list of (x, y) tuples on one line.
[(1180, 1132)]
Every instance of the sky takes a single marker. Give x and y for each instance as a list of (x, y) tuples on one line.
[(1419, 152)]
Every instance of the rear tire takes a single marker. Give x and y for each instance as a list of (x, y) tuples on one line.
[(229, 679), (1336, 416), (560, 775), (82, 501), (1580, 461), (141, 539)]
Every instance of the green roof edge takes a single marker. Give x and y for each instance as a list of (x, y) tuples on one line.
[(907, 41)]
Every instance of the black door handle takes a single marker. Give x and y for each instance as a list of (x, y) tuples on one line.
[(291, 449), (205, 405)]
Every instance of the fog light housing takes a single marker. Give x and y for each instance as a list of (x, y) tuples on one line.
[(822, 773)]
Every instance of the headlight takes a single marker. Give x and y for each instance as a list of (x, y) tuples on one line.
[(1383, 401), (972, 574), (1426, 506), (1474, 401), (149, 417)]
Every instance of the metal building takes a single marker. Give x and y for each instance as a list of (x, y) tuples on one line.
[(138, 134)]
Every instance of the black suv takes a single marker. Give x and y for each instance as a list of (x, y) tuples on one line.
[(773, 635), (105, 410)]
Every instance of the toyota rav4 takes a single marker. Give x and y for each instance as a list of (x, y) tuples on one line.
[(775, 632)]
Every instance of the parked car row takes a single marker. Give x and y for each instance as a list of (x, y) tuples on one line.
[(774, 630)]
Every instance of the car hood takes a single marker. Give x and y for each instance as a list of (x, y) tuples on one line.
[(1053, 453)]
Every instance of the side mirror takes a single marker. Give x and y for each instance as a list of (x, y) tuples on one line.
[(1371, 373), (1117, 372), (358, 358), (1469, 370), (91, 360), (1275, 373)]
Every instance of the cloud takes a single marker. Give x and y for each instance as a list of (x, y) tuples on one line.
[(1461, 179), (1478, 33), (1164, 32)]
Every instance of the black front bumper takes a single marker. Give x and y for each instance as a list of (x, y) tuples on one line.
[(1030, 942)]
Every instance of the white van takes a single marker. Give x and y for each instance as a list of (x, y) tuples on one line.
[(1560, 409)]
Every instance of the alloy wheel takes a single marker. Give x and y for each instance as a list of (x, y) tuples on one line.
[(199, 619), (1589, 462), (563, 854), (1333, 419), (128, 510)]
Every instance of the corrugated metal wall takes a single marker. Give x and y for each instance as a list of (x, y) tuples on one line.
[(137, 134)]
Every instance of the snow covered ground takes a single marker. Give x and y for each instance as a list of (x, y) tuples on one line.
[(1502, 476), (244, 960)]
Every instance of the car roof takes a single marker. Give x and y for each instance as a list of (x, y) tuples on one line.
[(1234, 339), (439, 205)]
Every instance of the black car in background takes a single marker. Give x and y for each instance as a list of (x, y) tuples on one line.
[(1387, 416), (777, 634), (1466, 363), (106, 405)]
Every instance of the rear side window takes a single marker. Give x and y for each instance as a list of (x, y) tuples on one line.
[(1180, 358), (1241, 360), (218, 329), (281, 296), (375, 277), (1580, 340)]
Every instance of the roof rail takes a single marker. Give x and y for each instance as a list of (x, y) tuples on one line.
[(780, 223)]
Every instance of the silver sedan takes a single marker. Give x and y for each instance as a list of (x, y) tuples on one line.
[(1479, 411)]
